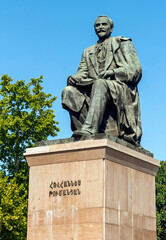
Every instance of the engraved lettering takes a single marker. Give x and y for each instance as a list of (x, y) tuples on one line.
[(72, 183), (55, 193), (61, 185), (60, 193), (65, 183), (50, 193), (71, 192), (58, 188), (79, 182), (68, 183), (51, 185)]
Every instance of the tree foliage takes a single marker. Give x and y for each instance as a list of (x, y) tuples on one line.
[(25, 117), (161, 201), (13, 206)]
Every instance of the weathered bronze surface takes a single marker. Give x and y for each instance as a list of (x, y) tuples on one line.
[(102, 96)]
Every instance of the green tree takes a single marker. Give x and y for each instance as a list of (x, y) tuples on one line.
[(161, 201), (13, 207), (25, 118)]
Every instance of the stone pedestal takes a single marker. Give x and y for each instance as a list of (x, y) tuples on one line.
[(91, 190)]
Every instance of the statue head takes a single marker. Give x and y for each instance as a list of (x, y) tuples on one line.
[(103, 27)]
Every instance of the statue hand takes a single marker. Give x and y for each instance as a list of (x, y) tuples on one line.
[(106, 74), (71, 81)]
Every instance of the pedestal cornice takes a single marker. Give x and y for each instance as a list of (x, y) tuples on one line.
[(89, 150)]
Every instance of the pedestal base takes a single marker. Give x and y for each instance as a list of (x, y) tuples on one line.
[(94, 189)]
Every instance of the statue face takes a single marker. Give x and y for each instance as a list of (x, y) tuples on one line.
[(103, 28)]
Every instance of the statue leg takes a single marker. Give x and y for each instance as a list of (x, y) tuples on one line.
[(78, 118), (74, 101), (99, 98)]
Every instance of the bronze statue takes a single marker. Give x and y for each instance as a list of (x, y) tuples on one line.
[(102, 96)]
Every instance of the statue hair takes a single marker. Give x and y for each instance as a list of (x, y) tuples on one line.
[(108, 20)]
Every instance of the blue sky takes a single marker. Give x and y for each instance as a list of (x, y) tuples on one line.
[(40, 37)]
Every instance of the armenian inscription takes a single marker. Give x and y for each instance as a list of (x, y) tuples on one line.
[(64, 188)]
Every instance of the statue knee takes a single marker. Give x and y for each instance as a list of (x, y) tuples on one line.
[(72, 99), (67, 91), (100, 84)]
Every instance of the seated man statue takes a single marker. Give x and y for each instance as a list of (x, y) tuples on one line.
[(102, 96)]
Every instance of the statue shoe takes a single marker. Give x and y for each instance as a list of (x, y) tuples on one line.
[(80, 133)]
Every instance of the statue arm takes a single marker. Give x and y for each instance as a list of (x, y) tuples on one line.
[(81, 77), (129, 69)]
